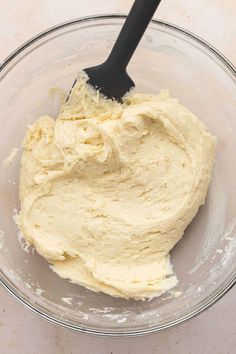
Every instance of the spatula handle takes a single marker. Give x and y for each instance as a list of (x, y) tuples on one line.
[(132, 31)]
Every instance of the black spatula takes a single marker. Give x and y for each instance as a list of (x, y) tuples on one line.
[(111, 78)]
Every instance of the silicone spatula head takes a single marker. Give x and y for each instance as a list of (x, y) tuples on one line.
[(111, 78)]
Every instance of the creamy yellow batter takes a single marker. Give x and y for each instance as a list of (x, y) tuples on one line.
[(107, 189)]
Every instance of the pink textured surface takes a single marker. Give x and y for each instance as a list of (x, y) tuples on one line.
[(214, 331)]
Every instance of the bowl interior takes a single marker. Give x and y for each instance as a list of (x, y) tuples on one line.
[(204, 259)]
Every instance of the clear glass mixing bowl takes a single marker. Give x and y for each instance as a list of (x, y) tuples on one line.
[(203, 80)]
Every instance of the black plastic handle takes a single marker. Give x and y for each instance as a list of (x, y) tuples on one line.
[(131, 33)]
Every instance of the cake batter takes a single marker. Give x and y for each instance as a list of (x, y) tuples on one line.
[(107, 189)]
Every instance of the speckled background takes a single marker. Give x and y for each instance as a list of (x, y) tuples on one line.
[(213, 331)]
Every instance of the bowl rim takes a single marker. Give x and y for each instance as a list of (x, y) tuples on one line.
[(218, 294)]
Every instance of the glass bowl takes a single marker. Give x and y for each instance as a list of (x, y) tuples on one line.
[(204, 260)]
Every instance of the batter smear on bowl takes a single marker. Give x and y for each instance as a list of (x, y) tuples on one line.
[(107, 189)]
